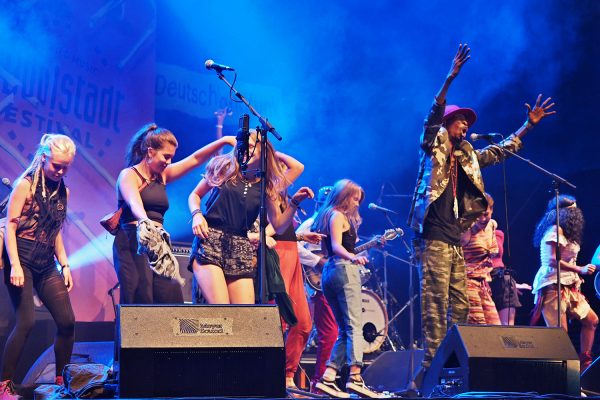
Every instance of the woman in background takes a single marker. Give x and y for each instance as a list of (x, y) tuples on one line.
[(339, 220), (573, 303)]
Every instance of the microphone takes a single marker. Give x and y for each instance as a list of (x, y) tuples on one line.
[(242, 146), (373, 206), (6, 182), (486, 136), (210, 64), (111, 290)]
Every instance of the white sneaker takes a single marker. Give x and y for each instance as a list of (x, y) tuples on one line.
[(330, 388), (358, 387)]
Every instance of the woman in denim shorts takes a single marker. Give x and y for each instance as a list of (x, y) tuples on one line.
[(222, 257)]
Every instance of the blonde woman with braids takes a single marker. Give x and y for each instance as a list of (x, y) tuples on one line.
[(339, 220), (222, 256), (34, 246), (149, 158)]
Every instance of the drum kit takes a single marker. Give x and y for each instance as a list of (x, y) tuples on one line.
[(380, 332)]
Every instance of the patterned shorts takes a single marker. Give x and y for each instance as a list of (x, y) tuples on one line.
[(232, 253), (573, 304)]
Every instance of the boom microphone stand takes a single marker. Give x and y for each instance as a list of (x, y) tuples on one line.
[(556, 182), (263, 132)]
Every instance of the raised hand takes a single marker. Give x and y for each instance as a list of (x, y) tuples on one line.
[(539, 111), (221, 114), (303, 193), (461, 57)]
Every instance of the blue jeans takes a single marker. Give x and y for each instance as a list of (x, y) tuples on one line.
[(342, 288)]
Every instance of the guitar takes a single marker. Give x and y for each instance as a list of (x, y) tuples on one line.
[(313, 274)]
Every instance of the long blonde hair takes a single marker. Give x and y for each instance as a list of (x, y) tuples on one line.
[(49, 143), (225, 168), (340, 199)]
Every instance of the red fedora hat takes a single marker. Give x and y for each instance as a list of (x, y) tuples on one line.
[(468, 113)]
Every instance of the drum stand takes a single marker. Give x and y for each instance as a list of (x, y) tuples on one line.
[(411, 387), (393, 339)]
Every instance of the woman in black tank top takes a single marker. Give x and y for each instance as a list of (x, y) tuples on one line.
[(339, 220), (222, 256), (149, 157)]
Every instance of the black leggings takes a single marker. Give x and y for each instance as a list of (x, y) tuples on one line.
[(139, 284), (51, 289)]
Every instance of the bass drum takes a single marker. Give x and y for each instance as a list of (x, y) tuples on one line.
[(374, 321)]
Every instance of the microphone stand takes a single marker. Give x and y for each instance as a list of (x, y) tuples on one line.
[(556, 182), (263, 132), (112, 297), (411, 387)]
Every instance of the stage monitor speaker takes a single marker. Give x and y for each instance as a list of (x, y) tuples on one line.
[(479, 358), (590, 379), (390, 371), (200, 351)]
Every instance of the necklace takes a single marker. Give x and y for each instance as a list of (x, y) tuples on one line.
[(246, 186), (454, 181), (44, 186)]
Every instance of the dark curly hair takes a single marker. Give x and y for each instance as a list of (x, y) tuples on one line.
[(570, 219), (564, 200)]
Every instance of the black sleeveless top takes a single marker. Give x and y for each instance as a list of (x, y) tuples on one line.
[(233, 207), (289, 235), (348, 241), (43, 215), (154, 198)]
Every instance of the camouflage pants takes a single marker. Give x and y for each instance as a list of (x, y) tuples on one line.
[(444, 299)]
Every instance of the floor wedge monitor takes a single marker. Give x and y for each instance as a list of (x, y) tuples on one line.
[(483, 358), (200, 351)]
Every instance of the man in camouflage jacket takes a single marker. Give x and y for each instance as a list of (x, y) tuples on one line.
[(448, 199)]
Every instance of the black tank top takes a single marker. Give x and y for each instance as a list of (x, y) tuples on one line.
[(348, 241), (233, 207), (289, 235), (154, 198)]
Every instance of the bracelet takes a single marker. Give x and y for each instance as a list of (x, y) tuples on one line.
[(196, 211), (528, 125), (294, 202), (219, 126), (64, 266)]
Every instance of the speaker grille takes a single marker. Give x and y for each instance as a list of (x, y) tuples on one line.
[(518, 375), (203, 372)]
